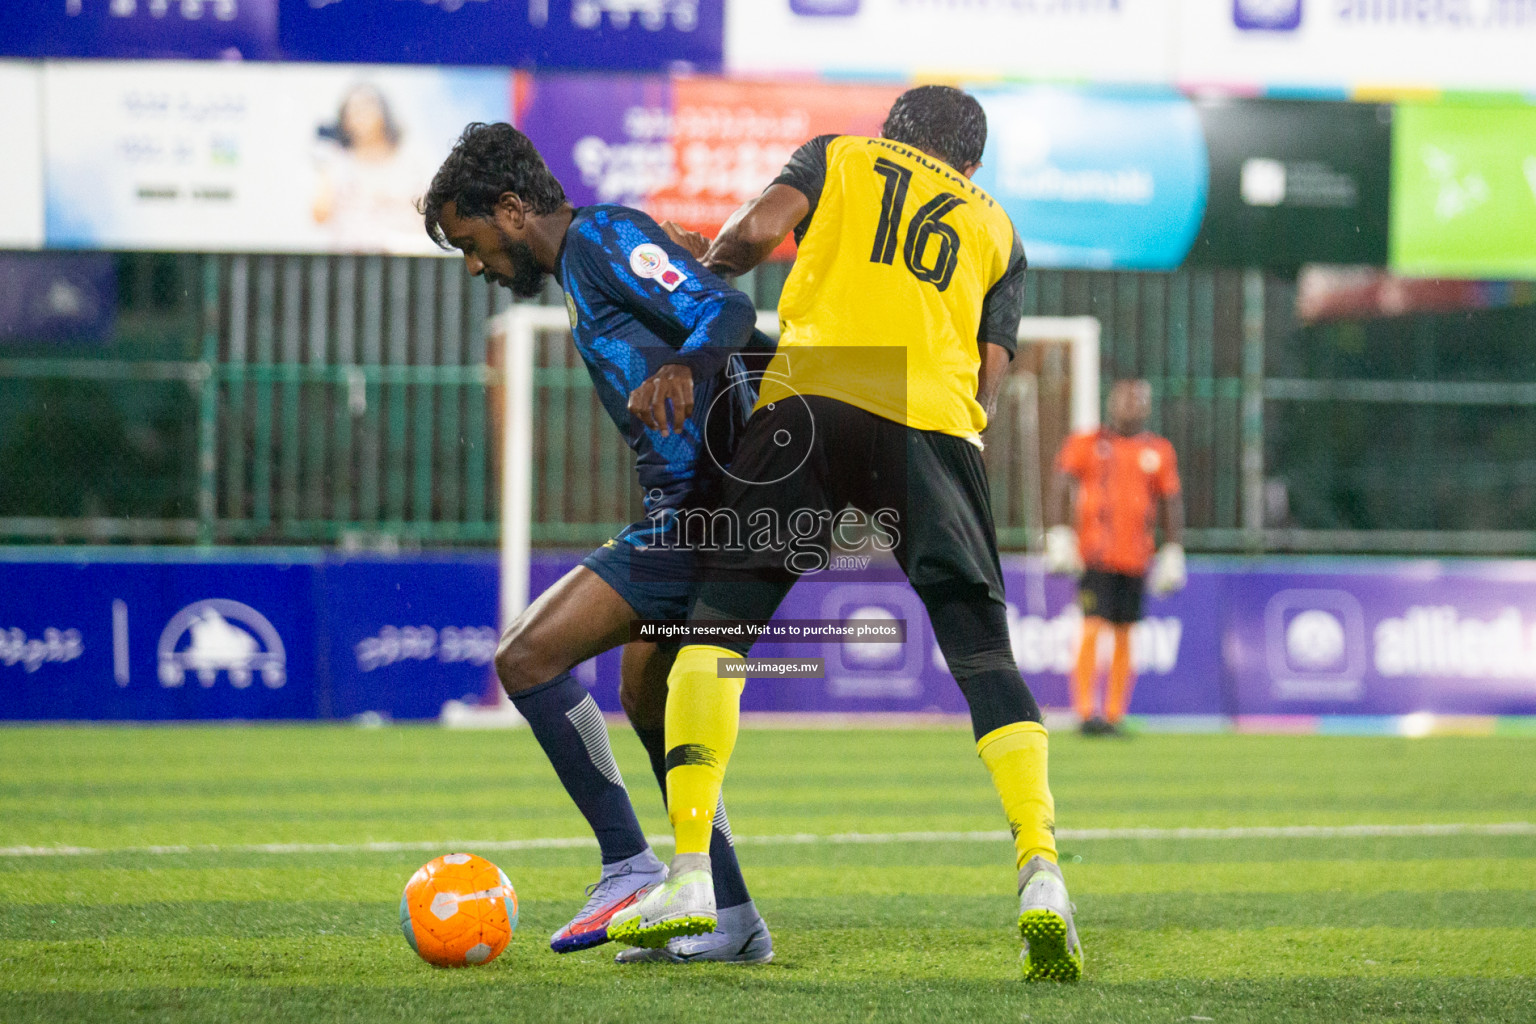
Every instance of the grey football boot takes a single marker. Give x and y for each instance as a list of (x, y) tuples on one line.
[(740, 937), (1051, 950)]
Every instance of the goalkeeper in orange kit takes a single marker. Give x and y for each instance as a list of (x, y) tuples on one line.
[(1121, 479)]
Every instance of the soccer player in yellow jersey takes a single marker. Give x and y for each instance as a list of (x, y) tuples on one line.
[(897, 324)]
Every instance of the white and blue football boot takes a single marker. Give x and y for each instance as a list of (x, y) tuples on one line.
[(623, 885)]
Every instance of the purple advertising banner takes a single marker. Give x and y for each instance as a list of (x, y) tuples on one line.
[(122, 635), (1176, 649), (1383, 638), (607, 138)]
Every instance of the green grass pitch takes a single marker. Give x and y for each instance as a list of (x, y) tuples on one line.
[(1333, 927)]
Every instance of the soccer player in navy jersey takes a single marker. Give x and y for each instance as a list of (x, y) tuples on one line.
[(660, 336)]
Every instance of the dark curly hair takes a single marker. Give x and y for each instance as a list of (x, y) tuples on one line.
[(940, 120), (487, 161)]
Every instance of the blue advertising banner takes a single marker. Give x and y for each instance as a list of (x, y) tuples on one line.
[(405, 637), (1096, 180), (613, 35), (143, 641), (161, 29)]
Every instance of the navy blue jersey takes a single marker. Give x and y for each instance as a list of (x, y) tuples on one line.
[(637, 301)]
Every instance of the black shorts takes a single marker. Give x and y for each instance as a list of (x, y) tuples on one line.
[(1112, 596), (820, 470)]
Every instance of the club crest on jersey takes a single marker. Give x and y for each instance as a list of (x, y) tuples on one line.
[(1150, 461), (651, 262)]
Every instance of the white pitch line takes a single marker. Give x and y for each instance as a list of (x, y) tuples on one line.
[(1509, 828)]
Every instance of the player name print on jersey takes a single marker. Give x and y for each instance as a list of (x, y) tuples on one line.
[(895, 330)]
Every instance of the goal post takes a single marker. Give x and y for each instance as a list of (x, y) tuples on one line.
[(514, 333), (1081, 336)]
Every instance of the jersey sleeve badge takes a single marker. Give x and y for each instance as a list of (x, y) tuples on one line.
[(650, 261)]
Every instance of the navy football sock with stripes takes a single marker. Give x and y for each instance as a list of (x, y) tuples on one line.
[(568, 725), (730, 887)]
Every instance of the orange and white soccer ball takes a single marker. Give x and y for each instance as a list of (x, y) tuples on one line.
[(458, 910)]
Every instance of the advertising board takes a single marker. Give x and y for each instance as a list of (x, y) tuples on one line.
[(685, 149), (157, 641), (140, 29), (252, 157), (1295, 182), (1417, 637), (1086, 40), (122, 636), (1095, 180), (21, 163), (1357, 44), (1464, 190), (613, 35)]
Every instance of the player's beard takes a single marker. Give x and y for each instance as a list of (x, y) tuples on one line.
[(527, 279)]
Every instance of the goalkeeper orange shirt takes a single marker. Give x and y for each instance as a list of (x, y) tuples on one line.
[(1119, 480)]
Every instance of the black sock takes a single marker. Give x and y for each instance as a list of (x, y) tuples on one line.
[(972, 630)]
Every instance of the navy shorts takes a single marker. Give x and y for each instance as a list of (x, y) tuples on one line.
[(657, 582)]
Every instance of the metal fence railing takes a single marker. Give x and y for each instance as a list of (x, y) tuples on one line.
[(352, 400)]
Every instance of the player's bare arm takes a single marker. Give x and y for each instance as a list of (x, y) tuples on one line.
[(1173, 518), (696, 243), (756, 229), (664, 401), (994, 366)]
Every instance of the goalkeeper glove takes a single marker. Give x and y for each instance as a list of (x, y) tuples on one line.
[(1168, 574), (1061, 554)]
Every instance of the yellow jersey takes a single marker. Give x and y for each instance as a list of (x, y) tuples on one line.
[(905, 271)]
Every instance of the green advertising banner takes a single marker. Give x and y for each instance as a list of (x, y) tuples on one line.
[(1464, 191)]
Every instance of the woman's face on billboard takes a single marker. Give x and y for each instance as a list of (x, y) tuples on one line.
[(362, 117)]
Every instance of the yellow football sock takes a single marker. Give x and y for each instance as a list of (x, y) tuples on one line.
[(1016, 755), (703, 712)]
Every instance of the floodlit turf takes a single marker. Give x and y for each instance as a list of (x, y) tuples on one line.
[(1330, 928)]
